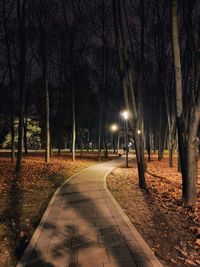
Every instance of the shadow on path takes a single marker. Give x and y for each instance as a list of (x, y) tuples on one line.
[(84, 228)]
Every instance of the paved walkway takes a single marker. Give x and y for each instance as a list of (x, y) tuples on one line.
[(83, 226)]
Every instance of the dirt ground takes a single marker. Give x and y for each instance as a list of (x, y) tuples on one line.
[(172, 231)]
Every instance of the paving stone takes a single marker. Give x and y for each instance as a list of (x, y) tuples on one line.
[(144, 263), (92, 255), (119, 254), (106, 229), (120, 264), (86, 265), (81, 241), (102, 214), (104, 221), (134, 247), (80, 222), (82, 210), (89, 215), (37, 257), (68, 213), (86, 203), (111, 240), (126, 232), (140, 256), (59, 255), (35, 262)]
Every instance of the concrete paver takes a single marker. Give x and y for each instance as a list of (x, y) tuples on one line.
[(83, 226)]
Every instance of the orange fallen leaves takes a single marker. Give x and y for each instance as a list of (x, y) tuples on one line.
[(171, 230), (35, 171), (25, 197)]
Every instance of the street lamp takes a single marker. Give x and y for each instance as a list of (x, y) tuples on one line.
[(114, 128), (125, 116)]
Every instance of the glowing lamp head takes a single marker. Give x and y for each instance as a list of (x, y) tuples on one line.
[(125, 115), (138, 131), (114, 127)]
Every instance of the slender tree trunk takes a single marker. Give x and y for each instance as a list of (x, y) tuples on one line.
[(88, 139), (128, 90), (59, 110), (171, 143), (99, 136), (22, 76), (148, 144), (59, 147), (106, 143), (73, 126), (25, 137), (118, 141), (141, 89), (47, 143), (140, 162), (11, 83)]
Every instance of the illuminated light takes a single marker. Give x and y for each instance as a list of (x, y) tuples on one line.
[(125, 114), (114, 127), (139, 132)]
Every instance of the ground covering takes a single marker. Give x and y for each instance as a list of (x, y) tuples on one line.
[(172, 231), (24, 198)]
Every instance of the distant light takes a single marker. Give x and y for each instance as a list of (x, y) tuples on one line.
[(114, 127), (90, 143), (125, 114), (130, 144), (139, 132)]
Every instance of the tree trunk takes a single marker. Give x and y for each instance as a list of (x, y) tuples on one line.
[(22, 76), (88, 139), (47, 143), (73, 126), (106, 143), (118, 140), (11, 83), (99, 136), (140, 162), (25, 137), (186, 140), (148, 144), (171, 143), (192, 161), (128, 90)]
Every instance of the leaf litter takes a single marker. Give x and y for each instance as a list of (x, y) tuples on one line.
[(171, 230)]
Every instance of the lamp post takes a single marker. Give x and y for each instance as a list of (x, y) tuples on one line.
[(113, 128), (125, 116)]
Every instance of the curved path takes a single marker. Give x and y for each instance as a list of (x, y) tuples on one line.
[(83, 226)]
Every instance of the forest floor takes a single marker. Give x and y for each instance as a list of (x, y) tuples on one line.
[(172, 231), (24, 198)]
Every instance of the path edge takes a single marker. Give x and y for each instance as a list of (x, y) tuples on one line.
[(147, 250)]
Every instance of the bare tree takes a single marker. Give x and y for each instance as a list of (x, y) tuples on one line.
[(128, 90), (187, 126)]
